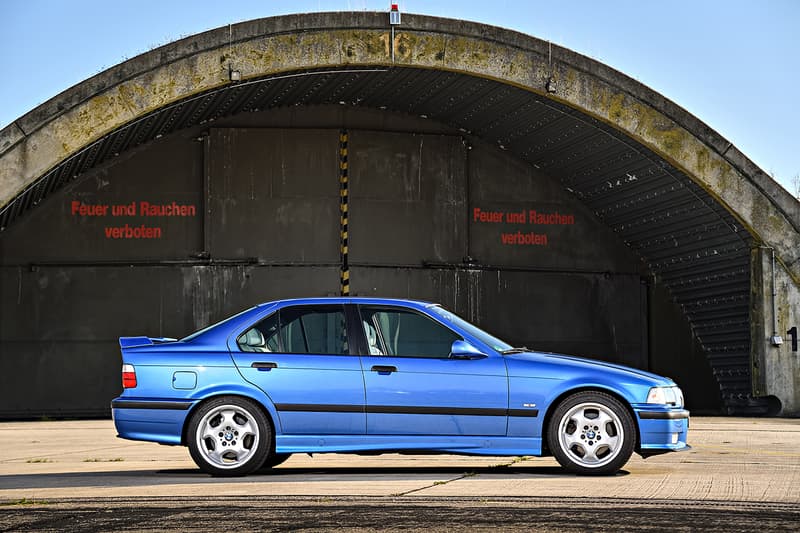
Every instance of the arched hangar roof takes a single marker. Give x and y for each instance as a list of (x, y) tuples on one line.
[(673, 189)]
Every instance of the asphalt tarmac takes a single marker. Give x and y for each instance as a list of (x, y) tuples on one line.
[(741, 475)]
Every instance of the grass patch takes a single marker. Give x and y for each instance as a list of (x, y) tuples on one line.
[(39, 460), (96, 460), (512, 461)]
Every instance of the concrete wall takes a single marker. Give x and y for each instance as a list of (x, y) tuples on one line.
[(776, 366), (264, 225)]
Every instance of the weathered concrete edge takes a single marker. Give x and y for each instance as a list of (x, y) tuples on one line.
[(186, 47), (220, 37), (9, 136)]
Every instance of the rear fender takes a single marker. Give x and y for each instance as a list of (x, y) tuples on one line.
[(244, 391)]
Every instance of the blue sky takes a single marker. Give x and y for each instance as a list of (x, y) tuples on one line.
[(735, 64)]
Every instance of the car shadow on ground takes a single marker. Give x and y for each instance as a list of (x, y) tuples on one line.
[(133, 478), (499, 470)]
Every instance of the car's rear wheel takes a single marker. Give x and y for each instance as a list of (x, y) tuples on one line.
[(229, 436), (591, 433)]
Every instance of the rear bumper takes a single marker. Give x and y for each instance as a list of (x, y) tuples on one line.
[(154, 421), (662, 430)]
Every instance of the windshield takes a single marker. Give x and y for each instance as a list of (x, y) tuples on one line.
[(473, 330)]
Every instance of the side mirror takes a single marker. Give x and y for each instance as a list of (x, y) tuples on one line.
[(464, 350)]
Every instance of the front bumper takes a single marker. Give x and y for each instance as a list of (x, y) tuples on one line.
[(662, 430)]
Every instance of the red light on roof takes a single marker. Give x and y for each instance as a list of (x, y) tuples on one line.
[(394, 17)]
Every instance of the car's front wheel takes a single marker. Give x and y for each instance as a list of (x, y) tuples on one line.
[(591, 433), (229, 436)]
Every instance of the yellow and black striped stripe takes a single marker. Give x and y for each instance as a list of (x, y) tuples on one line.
[(345, 275)]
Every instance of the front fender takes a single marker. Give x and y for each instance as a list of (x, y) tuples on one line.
[(546, 393), (630, 393)]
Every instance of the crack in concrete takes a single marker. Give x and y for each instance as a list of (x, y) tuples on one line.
[(434, 484), (462, 476)]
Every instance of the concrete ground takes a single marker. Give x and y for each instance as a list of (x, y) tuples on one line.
[(76, 468)]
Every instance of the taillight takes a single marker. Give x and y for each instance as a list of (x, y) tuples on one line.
[(128, 376)]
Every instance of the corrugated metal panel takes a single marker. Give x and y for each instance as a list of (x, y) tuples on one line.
[(696, 247)]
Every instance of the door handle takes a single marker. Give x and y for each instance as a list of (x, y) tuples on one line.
[(383, 369), (264, 365)]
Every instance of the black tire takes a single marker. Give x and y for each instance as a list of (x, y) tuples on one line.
[(591, 433), (229, 436), (274, 460)]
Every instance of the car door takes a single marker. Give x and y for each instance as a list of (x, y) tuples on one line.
[(300, 357), (412, 385)]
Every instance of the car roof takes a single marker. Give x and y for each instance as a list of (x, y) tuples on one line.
[(234, 323), (348, 300)]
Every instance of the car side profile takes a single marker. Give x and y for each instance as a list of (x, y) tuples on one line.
[(375, 375)]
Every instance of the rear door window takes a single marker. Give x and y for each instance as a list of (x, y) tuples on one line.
[(300, 330)]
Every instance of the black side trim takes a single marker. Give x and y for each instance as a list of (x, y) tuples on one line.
[(664, 415), (318, 408), (408, 410), (133, 404), (531, 413)]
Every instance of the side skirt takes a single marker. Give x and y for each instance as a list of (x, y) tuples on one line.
[(408, 443)]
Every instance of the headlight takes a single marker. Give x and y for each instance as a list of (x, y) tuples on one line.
[(665, 396)]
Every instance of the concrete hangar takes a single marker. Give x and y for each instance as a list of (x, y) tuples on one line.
[(551, 199)]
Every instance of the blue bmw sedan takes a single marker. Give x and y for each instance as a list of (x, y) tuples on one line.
[(372, 375)]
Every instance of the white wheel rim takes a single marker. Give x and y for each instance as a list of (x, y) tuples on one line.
[(227, 436), (591, 435)]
